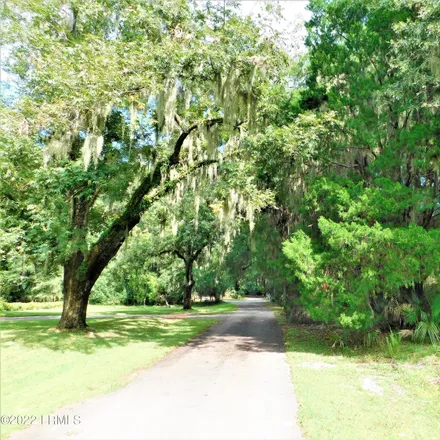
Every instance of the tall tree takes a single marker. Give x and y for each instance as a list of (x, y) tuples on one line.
[(193, 228), (171, 73), (370, 218)]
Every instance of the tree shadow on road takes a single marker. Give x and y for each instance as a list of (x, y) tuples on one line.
[(247, 332)]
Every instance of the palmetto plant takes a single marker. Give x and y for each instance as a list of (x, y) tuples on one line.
[(427, 328), (425, 325)]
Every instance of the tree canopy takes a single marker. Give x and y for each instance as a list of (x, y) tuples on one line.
[(154, 148)]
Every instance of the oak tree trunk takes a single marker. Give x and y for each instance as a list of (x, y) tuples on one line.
[(187, 292), (76, 296), (217, 294), (76, 286), (187, 302), (237, 285)]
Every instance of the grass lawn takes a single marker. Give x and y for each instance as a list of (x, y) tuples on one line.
[(43, 369), (348, 394), (53, 309)]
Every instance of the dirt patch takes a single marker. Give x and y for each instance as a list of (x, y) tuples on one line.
[(370, 385)]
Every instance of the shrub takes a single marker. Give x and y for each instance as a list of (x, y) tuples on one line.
[(4, 306), (47, 290)]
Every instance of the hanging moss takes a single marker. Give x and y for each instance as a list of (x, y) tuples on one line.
[(211, 135), (250, 216), (212, 172), (235, 94), (133, 118), (60, 146), (87, 151), (174, 225), (166, 105), (196, 209), (94, 141), (187, 99), (188, 146)]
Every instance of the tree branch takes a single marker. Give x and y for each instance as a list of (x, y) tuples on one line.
[(172, 251), (174, 158), (150, 190), (180, 255), (198, 252)]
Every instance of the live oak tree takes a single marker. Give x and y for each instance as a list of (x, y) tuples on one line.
[(181, 79), (191, 228)]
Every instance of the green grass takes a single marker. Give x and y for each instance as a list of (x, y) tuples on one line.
[(333, 404), (42, 369), (44, 309)]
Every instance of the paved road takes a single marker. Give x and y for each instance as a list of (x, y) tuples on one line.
[(232, 382)]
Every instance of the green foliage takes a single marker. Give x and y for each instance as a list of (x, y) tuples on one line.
[(4, 306), (427, 328), (357, 321), (393, 343), (366, 236), (234, 294), (327, 194), (47, 289), (373, 338), (421, 324), (353, 266), (129, 279)]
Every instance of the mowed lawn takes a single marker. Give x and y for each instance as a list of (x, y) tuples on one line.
[(363, 394), (43, 369), (54, 309)]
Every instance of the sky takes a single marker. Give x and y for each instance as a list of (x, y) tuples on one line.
[(294, 15), (292, 8)]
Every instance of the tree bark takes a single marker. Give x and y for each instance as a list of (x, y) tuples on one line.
[(237, 285), (76, 298), (76, 285), (187, 292), (217, 295)]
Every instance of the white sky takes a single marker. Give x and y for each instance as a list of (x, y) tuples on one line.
[(294, 15), (293, 9)]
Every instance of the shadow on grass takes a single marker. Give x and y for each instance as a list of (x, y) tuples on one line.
[(205, 307), (253, 328), (107, 333)]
